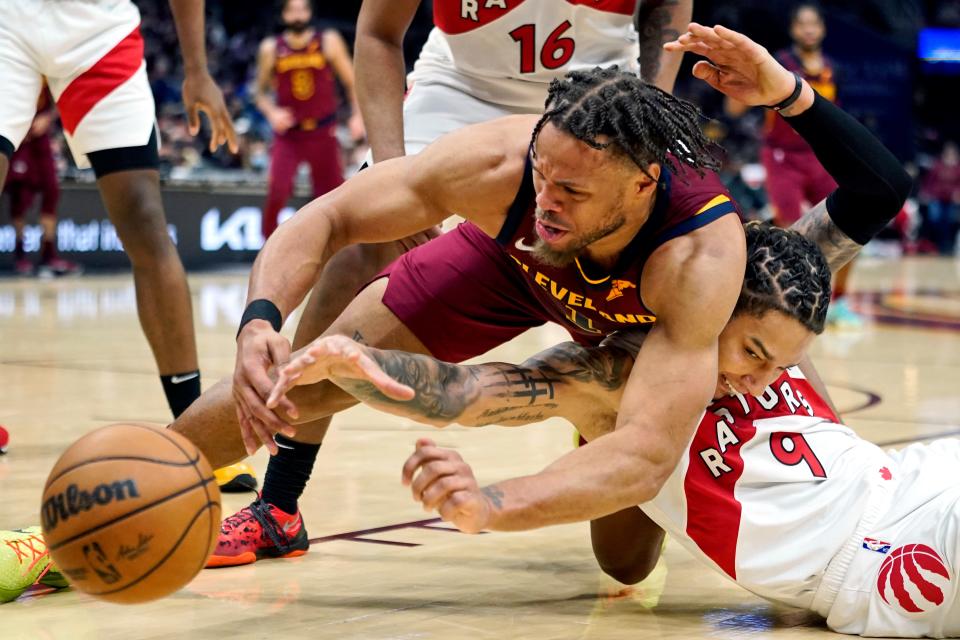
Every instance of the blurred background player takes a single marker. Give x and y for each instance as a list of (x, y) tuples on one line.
[(33, 171), (940, 191), (794, 176), (299, 66), (481, 61), (90, 54)]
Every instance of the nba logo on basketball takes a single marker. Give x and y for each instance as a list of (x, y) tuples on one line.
[(913, 579)]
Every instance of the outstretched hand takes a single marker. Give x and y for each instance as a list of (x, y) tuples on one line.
[(736, 65), (334, 357), (441, 481), (201, 93)]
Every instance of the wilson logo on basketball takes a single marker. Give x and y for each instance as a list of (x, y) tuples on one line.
[(74, 501), (913, 579)]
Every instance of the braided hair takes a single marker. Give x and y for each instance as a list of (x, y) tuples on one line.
[(646, 123), (786, 272)]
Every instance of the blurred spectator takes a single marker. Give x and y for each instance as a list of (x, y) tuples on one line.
[(33, 171), (296, 92), (940, 192)]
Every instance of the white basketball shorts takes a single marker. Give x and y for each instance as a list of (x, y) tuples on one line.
[(91, 54), (902, 580)]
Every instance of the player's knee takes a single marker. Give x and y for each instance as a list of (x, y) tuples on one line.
[(628, 573), (142, 227)]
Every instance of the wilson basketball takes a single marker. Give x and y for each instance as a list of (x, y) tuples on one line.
[(130, 513)]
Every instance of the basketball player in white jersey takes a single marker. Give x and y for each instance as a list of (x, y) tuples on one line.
[(90, 53), (770, 489), (484, 59)]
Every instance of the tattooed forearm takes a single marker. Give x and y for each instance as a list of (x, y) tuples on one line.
[(508, 417), (605, 366), (495, 495), (588, 379), (658, 22), (443, 390), (836, 246)]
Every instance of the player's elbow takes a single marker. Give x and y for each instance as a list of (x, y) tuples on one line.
[(652, 466), (656, 477)]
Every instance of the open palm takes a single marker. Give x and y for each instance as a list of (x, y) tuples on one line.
[(736, 65)]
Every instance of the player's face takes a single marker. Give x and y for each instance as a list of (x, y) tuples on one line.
[(296, 15), (584, 198), (755, 350), (808, 29)]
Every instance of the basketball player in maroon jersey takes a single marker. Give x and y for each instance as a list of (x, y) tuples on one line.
[(794, 176), (456, 83), (33, 171), (298, 66), (604, 212)]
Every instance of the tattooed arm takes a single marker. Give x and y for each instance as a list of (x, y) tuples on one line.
[(570, 381), (659, 22), (817, 225)]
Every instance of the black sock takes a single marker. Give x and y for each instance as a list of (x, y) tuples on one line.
[(48, 251), (18, 252), (288, 473), (181, 390)]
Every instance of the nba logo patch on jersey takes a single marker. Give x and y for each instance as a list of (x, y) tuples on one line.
[(872, 544), (913, 579)]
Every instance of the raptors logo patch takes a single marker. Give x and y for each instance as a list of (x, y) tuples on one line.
[(913, 579)]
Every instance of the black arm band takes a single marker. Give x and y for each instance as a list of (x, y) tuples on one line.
[(872, 185), (793, 97), (261, 309)]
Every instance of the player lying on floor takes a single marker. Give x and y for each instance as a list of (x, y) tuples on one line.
[(772, 490)]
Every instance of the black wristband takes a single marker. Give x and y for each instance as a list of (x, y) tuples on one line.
[(261, 309), (780, 106)]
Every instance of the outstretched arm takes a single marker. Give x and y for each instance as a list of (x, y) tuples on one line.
[(390, 200), (581, 384), (200, 92)]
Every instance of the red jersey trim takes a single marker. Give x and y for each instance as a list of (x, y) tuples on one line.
[(94, 84), (713, 511)]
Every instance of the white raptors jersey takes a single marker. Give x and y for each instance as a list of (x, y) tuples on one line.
[(507, 51), (771, 489)]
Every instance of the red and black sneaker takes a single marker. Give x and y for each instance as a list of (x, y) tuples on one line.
[(259, 531)]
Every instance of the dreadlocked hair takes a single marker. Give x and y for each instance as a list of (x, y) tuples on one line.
[(636, 118), (786, 272)]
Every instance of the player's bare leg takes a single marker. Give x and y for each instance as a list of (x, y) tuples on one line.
[(132, 199)]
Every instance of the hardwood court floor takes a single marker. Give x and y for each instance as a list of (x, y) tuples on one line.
[(73, 359)]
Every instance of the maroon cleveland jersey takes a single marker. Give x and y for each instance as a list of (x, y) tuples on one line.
[(582, 297), (305, 83), (780, 135)]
